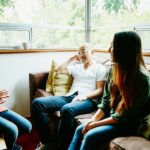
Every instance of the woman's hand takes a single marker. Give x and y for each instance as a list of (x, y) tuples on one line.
[(3, 96), (88, 126)]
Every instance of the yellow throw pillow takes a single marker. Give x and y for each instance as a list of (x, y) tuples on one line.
[(57, 83), (49, 81), (61, 83)]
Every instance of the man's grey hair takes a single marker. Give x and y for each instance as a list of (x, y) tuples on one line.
[(86, 47)]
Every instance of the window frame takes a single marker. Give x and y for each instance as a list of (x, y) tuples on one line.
[(17, 27)]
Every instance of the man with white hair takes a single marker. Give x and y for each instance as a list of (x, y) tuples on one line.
[(88, 83)]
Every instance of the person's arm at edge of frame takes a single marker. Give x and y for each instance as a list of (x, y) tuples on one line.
[(3, 95)]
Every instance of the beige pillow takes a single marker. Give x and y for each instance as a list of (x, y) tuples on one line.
[(57, 83)]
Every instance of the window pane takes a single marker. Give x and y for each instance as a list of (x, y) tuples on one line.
[(48, 13), (120, 15), (144, 34), (57, 38), (102, 37), (56, 12), (13, 39)]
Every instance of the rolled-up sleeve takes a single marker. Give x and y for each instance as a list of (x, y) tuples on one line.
[(117, 116)]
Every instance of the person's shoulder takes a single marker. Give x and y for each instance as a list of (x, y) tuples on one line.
[(100, 69), (144, 76), (144, 72)]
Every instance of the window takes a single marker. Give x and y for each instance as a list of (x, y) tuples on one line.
[(144, 32), (68, 23), (110, 16), (54, 23), (12, 33)]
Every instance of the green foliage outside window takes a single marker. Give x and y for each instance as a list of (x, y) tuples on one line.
[(4, 4), (61, 23)]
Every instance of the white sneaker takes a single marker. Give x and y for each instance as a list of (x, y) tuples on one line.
[(42, 147)]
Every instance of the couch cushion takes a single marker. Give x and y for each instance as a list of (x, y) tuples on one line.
[(144, 128), (130, 143)]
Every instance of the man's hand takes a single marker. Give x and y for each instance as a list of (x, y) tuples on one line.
[(80, 98), (63, 67), (74, 58), (3, 96)]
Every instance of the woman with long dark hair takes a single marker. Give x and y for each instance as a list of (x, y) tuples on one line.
[(126, 93)]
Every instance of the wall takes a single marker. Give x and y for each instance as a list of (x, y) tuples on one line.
[(14, 75)]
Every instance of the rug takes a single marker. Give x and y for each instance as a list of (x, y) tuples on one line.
[(29, 141)]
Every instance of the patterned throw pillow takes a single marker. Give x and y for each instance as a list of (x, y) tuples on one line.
[(144, 128), (57, 83), (61, 83)]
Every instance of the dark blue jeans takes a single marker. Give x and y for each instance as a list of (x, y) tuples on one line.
[(12, 125), (41, 107), (98, 136)]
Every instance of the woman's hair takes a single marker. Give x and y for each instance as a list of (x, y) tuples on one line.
[(127, 58)]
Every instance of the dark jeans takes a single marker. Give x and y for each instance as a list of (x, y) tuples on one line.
[(98, 136), (44, 105), (12, 125)]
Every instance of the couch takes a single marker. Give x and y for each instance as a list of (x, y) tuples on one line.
[(37, 83)]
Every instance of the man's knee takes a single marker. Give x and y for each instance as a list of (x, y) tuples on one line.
[(67, 111), (35, 103)]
